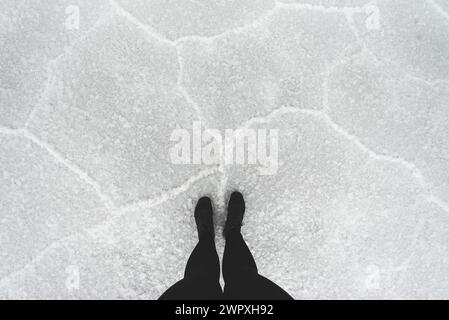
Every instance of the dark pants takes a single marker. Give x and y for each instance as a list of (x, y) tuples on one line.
[(202, 274)]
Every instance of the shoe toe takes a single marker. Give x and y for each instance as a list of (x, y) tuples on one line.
[(204, 204), (237, 201), (203, 208)]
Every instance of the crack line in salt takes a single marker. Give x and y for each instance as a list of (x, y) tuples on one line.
[(416, 172), (438, 9), (24, 133), (46, 91), (260, 21), (144, 27), (221, 185), (144, 205)]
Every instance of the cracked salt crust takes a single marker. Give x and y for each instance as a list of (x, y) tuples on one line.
[(357, 210)]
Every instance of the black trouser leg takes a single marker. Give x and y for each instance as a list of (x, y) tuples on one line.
[(240, 273), (201, 277)]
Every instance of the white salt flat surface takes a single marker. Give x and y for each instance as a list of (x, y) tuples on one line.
[(91, 206)]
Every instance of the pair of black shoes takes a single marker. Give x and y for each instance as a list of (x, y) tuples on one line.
[(204, 215)]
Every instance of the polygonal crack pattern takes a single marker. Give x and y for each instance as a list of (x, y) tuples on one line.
[(92, 207)]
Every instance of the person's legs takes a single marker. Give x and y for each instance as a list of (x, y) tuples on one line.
[(237, 258), (242, 280), (239, 268), (202, 273), (201, 277), (203, 261)]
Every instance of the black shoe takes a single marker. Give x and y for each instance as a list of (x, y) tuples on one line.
[(204, 217), (236, 211)]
